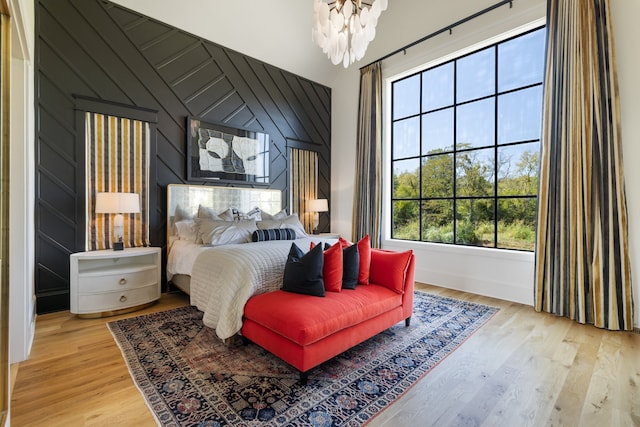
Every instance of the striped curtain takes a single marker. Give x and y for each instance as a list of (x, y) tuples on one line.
[(582, 261), (117, 156), (304, 184), (367, 204)]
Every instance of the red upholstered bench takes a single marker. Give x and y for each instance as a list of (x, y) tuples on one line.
[(306, 331)]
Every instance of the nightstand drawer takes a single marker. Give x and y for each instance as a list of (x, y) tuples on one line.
[(118, 300), (123, 280)]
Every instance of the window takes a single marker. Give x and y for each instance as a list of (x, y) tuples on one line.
[(465, 142)]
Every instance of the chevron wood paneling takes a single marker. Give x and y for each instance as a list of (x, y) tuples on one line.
[(99, 50)]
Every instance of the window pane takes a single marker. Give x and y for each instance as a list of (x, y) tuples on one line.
[(475, 126), (518, 169), (476, 75), (437, 221), (475, 173), (406, 179), (517, 223), (475, 223), (406, 97), (521, 61), (437, 176), (437, 131), (406, 138), (406, 220), (520, 115), (437, 87)]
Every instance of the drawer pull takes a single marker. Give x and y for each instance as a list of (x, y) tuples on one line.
[(123, 281), (123, 298)]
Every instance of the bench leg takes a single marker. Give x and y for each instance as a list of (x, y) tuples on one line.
[(407, 321), (304, 376)]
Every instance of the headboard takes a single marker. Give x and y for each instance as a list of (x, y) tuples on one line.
[(189, 197)]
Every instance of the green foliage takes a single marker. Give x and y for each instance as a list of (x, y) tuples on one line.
[(516, 215)]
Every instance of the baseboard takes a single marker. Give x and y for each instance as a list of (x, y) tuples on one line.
[(636, 330)]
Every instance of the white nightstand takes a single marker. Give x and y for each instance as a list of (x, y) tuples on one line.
[(105, 283)]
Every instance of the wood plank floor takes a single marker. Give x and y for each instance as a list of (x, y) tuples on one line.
[(521, 369)]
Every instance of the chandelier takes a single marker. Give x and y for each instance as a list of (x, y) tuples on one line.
[(344, 28)]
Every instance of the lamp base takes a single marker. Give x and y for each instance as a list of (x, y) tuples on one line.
[(118, 246)]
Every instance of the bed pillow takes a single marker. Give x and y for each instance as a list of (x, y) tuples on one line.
[(186, 230), (267, 216), (206, 212), (303, 272), (350, 266), (332, 269), (291, 221), (273, 234), (181, 214), (216, 233)]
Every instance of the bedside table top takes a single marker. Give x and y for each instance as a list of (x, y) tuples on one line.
[(110, 253)]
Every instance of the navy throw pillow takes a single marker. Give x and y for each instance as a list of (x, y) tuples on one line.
[(303, 272), (350, 267), (273, 234)]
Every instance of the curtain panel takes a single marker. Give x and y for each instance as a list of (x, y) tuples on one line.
[(117, 160), (304, 184), (582, 262), (367, 203)]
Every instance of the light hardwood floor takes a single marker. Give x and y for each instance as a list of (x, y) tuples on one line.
[(521, 369)]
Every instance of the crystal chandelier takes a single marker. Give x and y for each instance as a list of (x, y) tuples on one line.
[(344, 28)]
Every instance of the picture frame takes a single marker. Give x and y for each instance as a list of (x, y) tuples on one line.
[(216, 152)]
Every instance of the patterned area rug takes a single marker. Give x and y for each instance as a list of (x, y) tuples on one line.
[(190, 378)]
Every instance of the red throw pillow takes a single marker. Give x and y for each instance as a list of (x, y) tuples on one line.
[(332, 269), (364, 252), (390, 269)]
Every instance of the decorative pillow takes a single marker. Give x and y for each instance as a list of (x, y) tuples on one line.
[(291, 221), (230, 214), (216, 233), (206, 212), (181, 214), (267, 216), (254, 213), (350, 266), (186, 230), (393, 274), (303, 272), (364, 252), (273, 234), (332, 270)]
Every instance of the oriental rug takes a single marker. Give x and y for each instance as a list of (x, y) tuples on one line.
[(188, 377)]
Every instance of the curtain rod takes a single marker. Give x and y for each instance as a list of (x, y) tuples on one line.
[(442, 30)]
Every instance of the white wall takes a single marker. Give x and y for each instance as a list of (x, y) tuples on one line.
[(502, 274)]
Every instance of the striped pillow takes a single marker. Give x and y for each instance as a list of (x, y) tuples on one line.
[(273, 234)]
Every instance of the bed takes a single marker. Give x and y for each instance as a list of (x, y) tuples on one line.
[(210, 256)]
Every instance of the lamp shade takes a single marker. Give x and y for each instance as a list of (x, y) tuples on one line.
[(117, 203), (317, 205)]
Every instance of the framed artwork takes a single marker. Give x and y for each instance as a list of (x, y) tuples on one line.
[(221, 153)]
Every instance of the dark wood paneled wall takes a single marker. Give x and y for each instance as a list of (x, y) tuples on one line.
[(98, 50)]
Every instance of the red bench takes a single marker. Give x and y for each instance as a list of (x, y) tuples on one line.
[(306, 331)]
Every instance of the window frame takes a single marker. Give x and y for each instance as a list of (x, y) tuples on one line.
[(388, 164)]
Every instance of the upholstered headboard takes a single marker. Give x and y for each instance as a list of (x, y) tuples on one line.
[(185, 200)]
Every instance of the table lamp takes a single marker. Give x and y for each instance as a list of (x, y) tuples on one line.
[(316, 206), (117, 203)]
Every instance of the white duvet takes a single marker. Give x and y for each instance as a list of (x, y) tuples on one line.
[(223, 278)]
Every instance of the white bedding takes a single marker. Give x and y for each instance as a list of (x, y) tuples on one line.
[(223, 278)]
